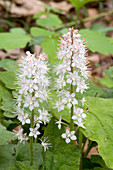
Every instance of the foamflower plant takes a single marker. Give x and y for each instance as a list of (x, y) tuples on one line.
[(33, 90), (72, 72)]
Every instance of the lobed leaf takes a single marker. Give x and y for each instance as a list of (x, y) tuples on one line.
[(13, 40), (99, 126), (97, 42)]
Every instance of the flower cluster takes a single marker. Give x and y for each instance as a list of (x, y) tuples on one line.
[(72, 72), (33, 82)]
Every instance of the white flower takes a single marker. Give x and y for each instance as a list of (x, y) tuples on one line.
[(59, 105), (23, 118), (79, 116), (69, 136), (45, 144), (80, 123), (31, 102), (44, 116), (34, 132), (59, 123), (81, 86), (68, 98), (82, 101)]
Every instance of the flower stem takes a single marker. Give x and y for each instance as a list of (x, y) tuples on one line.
[(71, 90), (31, 139), (80, 144)]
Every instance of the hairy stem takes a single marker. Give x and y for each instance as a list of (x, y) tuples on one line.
[(31, 139), (71, 90)]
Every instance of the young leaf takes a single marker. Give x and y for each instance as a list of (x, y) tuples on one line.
[(52, 21), (97, 42), (49, 46), (60, 155), (36, 32), (12, 40)]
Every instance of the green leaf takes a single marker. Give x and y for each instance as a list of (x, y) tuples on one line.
[(6, 123), (23, 153), (50, 8), (8, 105), (96, 41), (100, 28), (79, 3), (9, 64), (35, 31), (99, 126), (12, 40), (3, 91), (6, 156), (52, 21), (6, 135), (49, 46), (23, 166), (6, 21), (8, 78), (98, 160), (108, 79), (10, 114), (60, 155), (18, 30), (39, 14)]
